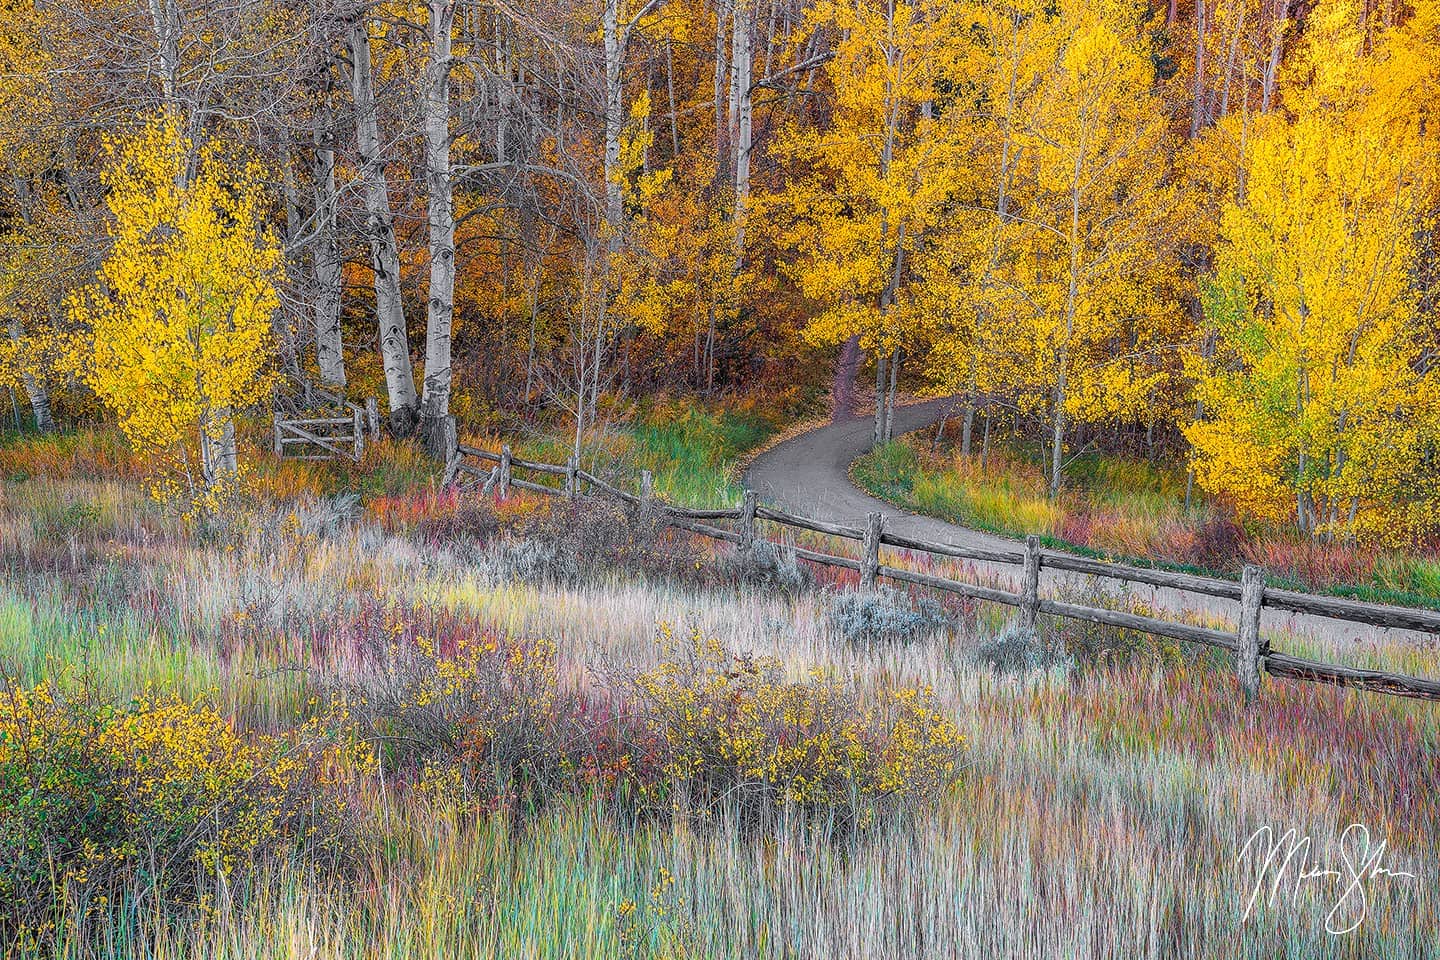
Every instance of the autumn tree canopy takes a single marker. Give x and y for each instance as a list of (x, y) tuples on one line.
[(1207, 229)]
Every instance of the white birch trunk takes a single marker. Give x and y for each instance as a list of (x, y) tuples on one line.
[(742, 119), (380, 233), (329, 348), (614, 123), (35, 390), (435, 400)]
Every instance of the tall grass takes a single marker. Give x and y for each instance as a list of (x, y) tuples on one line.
[(1099, 814), (689, 448)]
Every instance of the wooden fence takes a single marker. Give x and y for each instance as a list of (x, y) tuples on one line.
[(1252, 651), (315, 424)]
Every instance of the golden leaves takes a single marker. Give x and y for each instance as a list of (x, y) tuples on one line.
[(182, 309)]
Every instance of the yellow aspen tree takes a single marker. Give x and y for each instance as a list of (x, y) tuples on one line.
[(1322, 398), (181, 309), (1088, 235), (867, 186), (967, 306)]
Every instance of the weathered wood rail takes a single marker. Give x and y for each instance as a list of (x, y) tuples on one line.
[(316, 424), (1252, 594)]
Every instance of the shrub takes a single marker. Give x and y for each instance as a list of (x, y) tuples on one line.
[(731, 734), (1218, 543), (61, 521), (1016, 650), (482, 724), (884, 615), (531, 561), (326, 516), (766, 564), (593, 537), (162, 798), (1101, 646)]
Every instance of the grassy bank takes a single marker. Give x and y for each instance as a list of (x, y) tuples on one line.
[(1133, 511)]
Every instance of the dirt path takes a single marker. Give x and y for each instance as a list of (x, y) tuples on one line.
[(809, 475)]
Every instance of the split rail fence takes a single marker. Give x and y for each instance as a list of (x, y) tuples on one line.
[(316, 424), (1252, 651)]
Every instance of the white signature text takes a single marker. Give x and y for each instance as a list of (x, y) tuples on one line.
[(1287, 863)]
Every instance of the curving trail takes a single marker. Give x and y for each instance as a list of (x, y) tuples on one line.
[(810, 475)]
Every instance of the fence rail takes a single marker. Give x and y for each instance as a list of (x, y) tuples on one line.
[(1252, 652)]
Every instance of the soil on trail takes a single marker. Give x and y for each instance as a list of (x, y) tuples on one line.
[(810, 475)]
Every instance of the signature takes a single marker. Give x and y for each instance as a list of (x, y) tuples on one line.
[(1289, 862)]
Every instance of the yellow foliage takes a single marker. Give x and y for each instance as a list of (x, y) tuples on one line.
[(182, 309), (869, 185), (735, 726), (1316, 407), (164, 794)]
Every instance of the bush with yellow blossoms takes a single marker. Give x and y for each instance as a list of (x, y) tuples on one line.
[(733, 734), (161, 800), (477, 720)]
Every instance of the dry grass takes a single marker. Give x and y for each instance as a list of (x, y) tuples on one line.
[(1099, 814)]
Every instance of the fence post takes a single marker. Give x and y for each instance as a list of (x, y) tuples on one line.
[(870, 551), (275, 422), (1247, 650), (358, 424), (647, 495), (505, 457), (452, 466), (747, 521), (572, 486), (372, 417), (1030, 584)]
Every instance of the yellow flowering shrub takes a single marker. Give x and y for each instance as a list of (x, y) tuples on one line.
[(730, 728), (163, 797), (484, 722), (474, 720)]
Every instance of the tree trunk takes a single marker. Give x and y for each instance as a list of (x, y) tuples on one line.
[(742, 59), (217, 447), (985, 443), (879, 434), (165, 18), (614, 123), (1197, 109), (380, 233), (35, 390), (967, 425), (1277, 47), (721, 153), (435, 400), (842, 390), (890, 396), (329, 348), (286, 335)]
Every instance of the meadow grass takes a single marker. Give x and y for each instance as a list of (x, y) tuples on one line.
[(690, 448), (1098, 814)]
